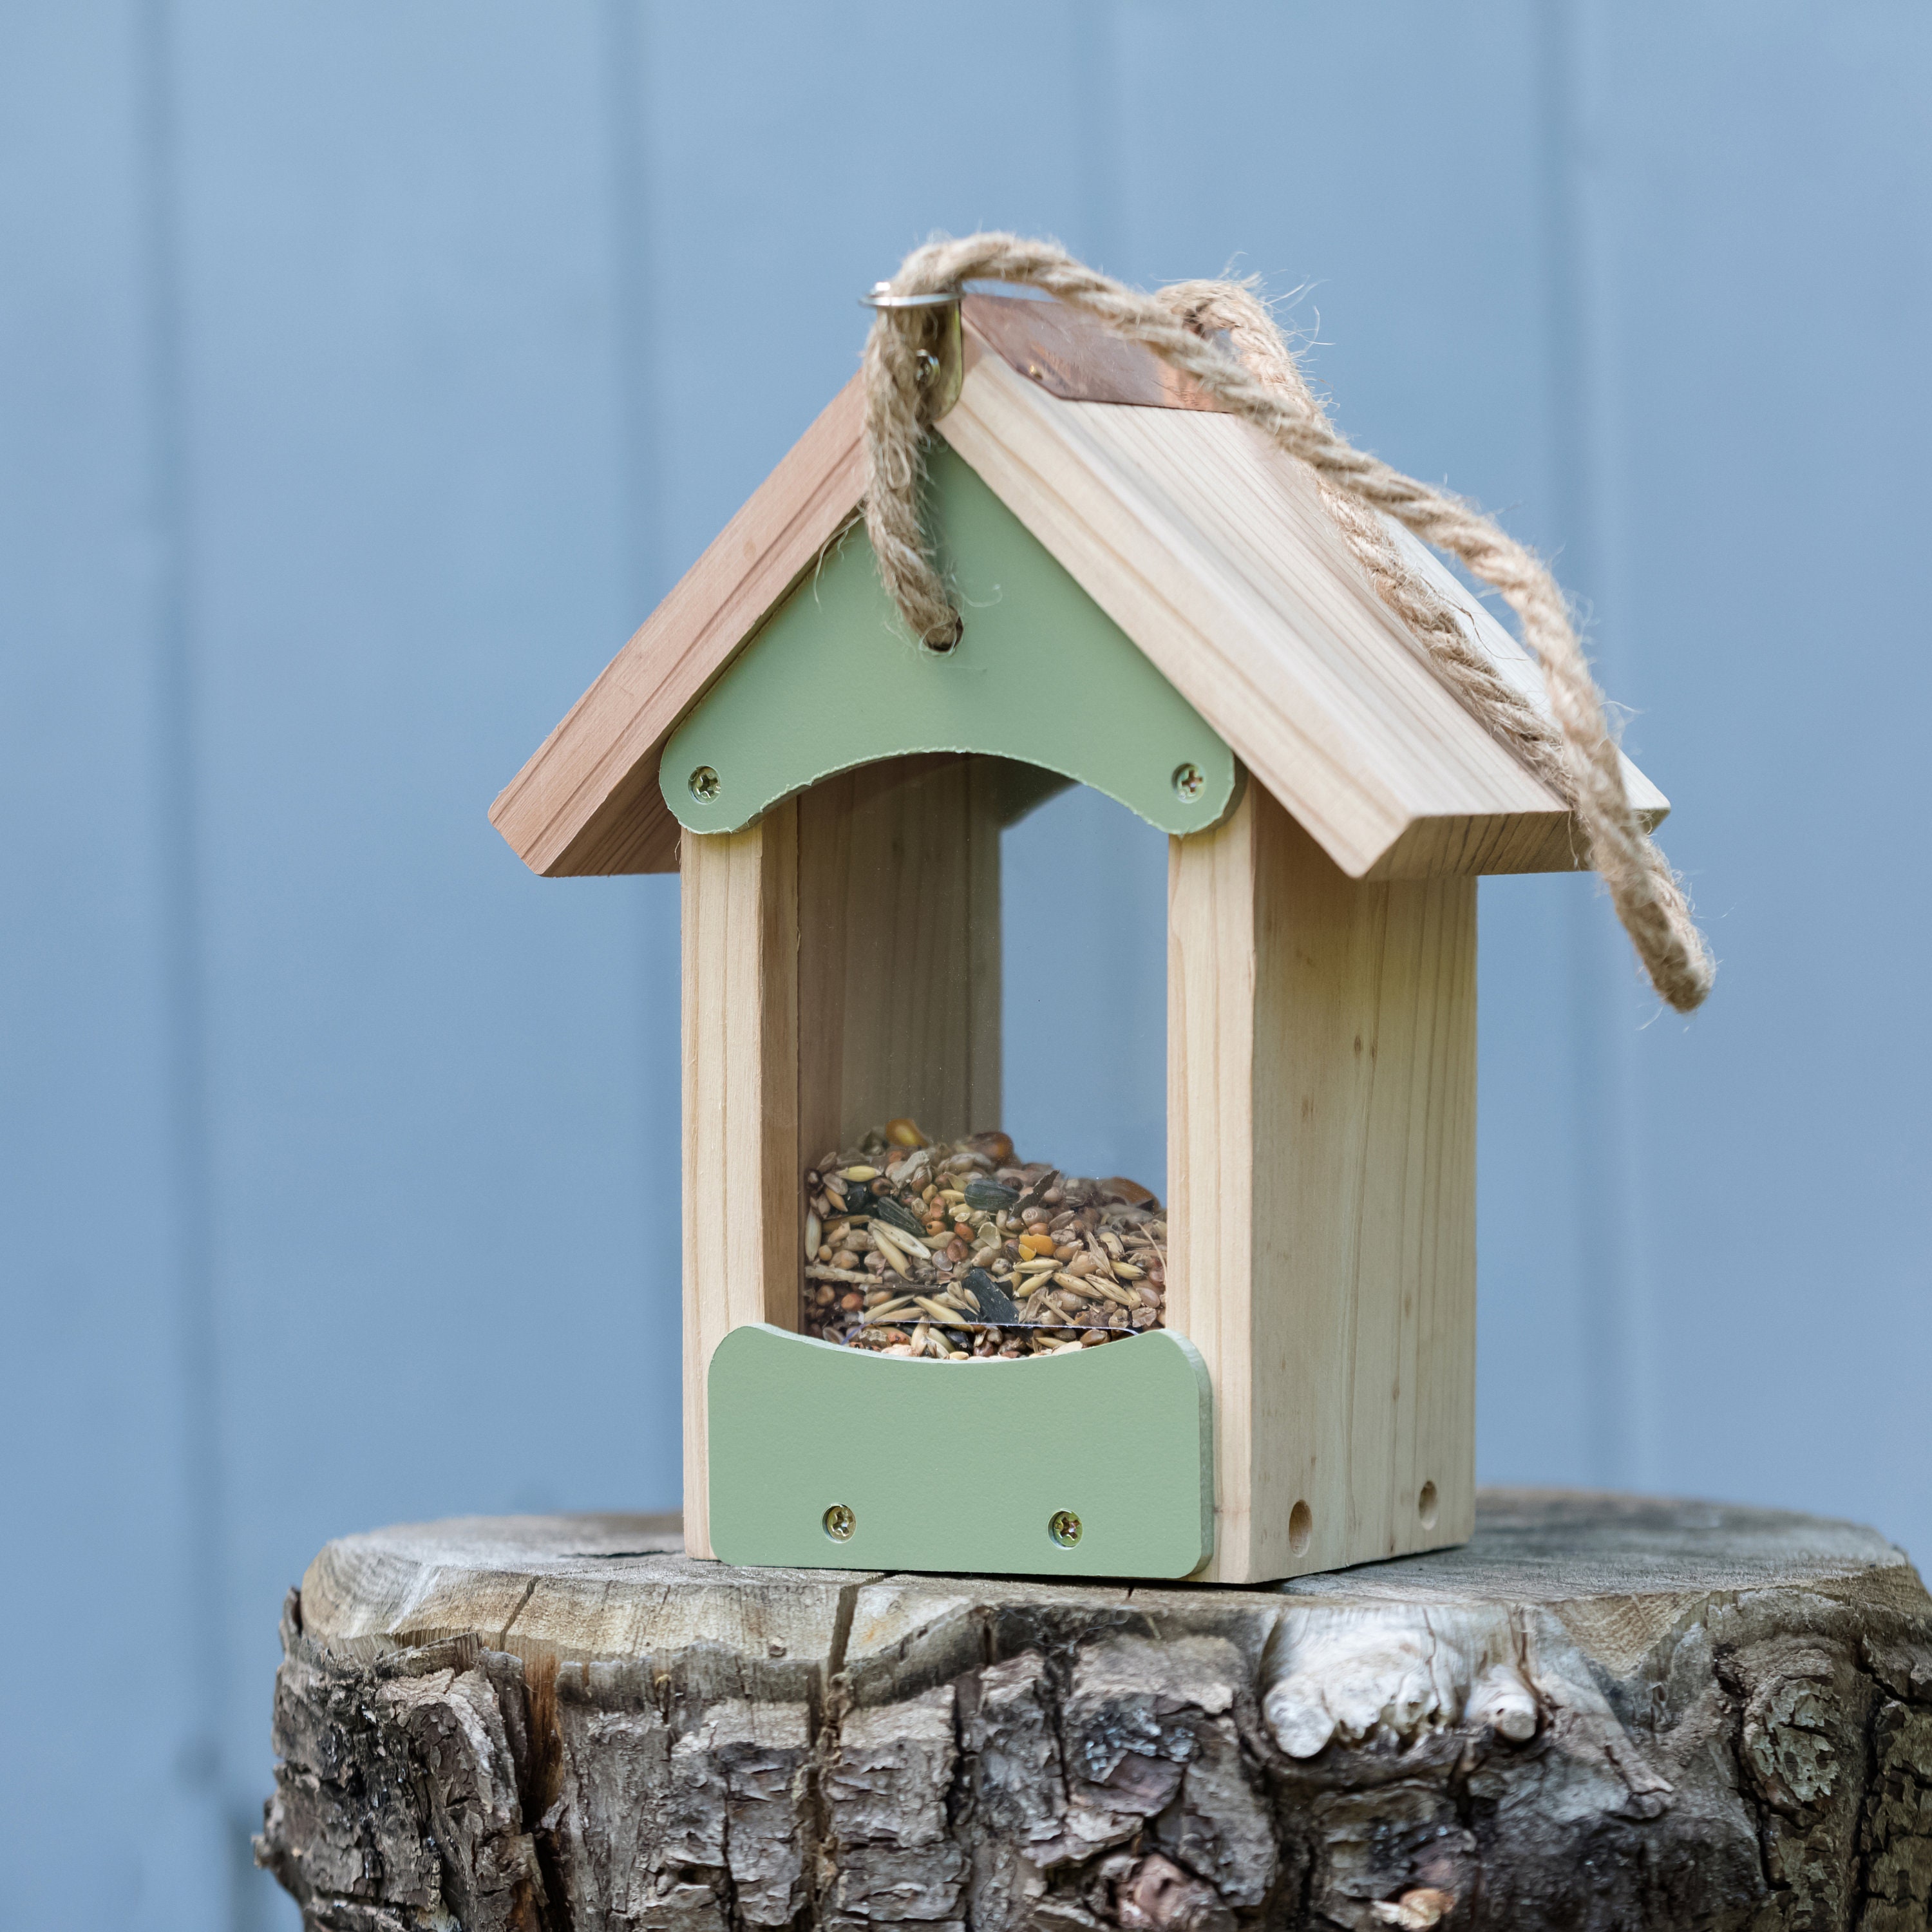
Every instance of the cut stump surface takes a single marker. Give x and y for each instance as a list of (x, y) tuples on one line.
[(1604, 1712)]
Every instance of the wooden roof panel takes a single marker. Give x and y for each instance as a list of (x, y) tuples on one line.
[(1213, 552), (1209, 548), (587, 801)]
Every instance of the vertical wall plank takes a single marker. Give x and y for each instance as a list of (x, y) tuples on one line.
[(1328, 1275), (899, 969), (739, 894), (1210, 1115), (840, 966)]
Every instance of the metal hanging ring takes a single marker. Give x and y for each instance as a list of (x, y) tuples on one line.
[(881, 296)]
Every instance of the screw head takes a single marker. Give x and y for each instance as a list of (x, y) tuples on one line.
[(840, 1523), (1189, 781), (704, 783), (1064, 1526)]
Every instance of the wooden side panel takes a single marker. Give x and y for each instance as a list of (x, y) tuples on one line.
[(739, 905), (840, 966), (899, 958), (1210, 1132), (1365, 1073), (1322, 1085)]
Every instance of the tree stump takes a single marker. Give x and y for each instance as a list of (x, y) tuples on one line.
[(1603, 1711)]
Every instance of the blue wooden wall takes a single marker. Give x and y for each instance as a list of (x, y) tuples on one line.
[(368, 368)]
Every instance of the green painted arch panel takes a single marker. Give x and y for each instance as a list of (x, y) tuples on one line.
[(961, 1466), (1042, 675)]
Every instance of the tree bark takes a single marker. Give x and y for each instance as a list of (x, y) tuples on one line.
[(1604, 1712)]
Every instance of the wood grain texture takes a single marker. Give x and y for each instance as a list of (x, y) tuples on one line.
[(587, 801), (899, 955), (1208, 547), (1534, 844), (1603, 1711), (739, 909), (840, 966), (1212, 551), (1322, 1136)]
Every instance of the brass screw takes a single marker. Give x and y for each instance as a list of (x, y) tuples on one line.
[(1064, 1526), (1189, 781), (704, 783), (840, 1523)]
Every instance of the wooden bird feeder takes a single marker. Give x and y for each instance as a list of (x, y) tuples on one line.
[(1157, 605)]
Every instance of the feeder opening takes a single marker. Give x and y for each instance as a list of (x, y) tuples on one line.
[(983, 1096)]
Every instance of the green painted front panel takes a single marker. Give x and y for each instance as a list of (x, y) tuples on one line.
[(961, 1466), (1042, 674)]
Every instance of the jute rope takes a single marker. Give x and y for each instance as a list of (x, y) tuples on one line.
[(1577, 759)]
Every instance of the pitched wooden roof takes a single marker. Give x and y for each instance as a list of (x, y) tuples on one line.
[(1208, 547)]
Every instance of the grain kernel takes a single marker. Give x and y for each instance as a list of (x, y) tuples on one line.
[(900, 1252)]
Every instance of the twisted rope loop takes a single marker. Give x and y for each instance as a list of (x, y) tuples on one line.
[(1576, 757)]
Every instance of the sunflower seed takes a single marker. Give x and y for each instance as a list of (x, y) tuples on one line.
[(988, 1196)]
